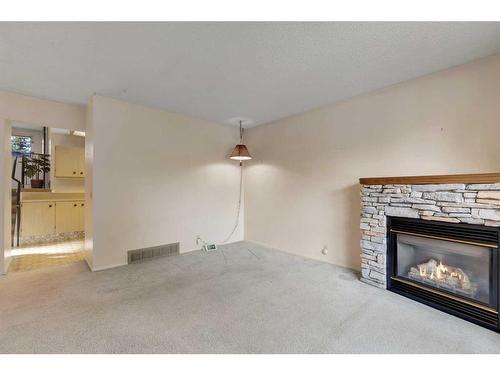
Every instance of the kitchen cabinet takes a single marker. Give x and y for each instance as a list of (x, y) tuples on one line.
[(68, 217), (44, 214), (81, 216), (81, 162), (69, 162), (38, 218)]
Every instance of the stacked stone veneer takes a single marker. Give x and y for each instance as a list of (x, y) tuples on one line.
[(453, 203)]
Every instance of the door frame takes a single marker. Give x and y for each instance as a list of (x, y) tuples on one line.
[(5, 194), (6, 187)]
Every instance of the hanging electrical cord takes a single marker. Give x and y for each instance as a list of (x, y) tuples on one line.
[(240, 153), (238, 211)]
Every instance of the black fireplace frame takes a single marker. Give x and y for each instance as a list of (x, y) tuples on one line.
[(485, 315)]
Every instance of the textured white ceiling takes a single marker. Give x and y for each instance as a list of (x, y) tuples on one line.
[(216, 71)]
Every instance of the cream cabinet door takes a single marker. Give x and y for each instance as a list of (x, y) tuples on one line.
[(67, 217), (68, 161), (81, 162), (81, 216), (37, 218)]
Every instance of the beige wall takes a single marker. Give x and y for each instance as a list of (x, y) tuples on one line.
[(158, 178), (30, 110), (65, 184), (302, 190)]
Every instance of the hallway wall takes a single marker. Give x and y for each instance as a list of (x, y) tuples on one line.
[(158, 178)]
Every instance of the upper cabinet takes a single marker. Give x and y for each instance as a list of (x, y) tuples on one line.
[(69, 162), (81, 162)]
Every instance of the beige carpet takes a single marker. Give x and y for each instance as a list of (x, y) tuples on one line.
[(243, 298)]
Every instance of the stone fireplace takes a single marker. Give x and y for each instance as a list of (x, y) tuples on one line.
[(434, 239)]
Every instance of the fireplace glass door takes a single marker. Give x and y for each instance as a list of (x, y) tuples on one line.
[(460, 269)]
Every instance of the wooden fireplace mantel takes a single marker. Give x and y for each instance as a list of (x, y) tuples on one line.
[(479, 178)]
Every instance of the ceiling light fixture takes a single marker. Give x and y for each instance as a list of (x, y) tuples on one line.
[(240, 151), (78, 133)]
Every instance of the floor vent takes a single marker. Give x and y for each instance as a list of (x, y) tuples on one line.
[(140, 255)]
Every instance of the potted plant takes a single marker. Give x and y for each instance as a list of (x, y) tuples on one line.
[(34, 166)]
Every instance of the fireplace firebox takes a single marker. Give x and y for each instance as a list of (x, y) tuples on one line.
[(451, 267)]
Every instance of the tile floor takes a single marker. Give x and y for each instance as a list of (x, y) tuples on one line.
[(31, 257)]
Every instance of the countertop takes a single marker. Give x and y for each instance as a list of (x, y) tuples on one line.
[(51, 197)]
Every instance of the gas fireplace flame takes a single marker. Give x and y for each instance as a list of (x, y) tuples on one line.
[(443, 276), (422, 270), (441, 271)]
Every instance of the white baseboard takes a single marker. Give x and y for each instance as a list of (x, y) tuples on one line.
[(7, 264), (319, 259), (265, 245), (88, 263), (96, 269)]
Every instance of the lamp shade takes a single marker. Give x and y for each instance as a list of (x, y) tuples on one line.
[(240, 152)]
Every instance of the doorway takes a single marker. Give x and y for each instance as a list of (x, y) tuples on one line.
[(47, 194)]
